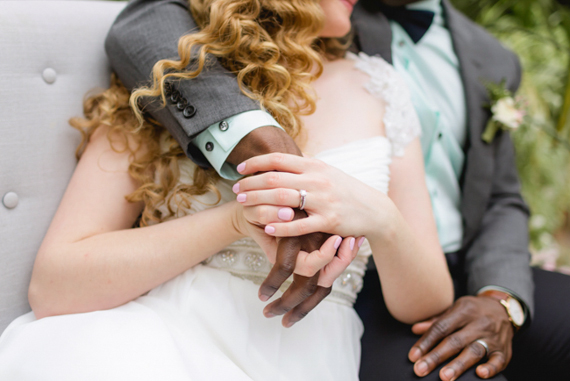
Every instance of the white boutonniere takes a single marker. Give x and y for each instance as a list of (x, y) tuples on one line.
[(508, 112)]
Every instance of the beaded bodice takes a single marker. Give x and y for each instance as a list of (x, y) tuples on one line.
[(367, 160)]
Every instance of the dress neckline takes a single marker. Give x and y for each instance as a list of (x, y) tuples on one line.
[(359, 142)]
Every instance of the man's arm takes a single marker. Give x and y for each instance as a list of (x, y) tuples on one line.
[(497, 259), (148, 31), (499, 255)]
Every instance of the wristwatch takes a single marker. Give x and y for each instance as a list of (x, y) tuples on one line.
[(513, 307)]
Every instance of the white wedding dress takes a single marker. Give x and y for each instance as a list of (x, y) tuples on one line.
[(207, 323)]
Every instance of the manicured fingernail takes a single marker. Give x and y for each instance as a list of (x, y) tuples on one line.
[(269, 229), (263, 298), (337, 242), (415, 353), (288, 325), (351, 243), (422, 368), (241, 197), (240, 168), (484, 372), (285, 214), (361, 241), (235, 188), (449, 373), (269, 315)]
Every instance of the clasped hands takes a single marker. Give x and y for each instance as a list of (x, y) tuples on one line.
[(452, 335), (268, 201), (293, 238)]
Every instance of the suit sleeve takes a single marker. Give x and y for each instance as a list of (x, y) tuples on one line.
[(148, 31), (499, 253)]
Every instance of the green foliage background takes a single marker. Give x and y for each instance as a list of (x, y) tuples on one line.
[(539, 32)]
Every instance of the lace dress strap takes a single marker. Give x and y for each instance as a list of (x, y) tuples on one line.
[(400, 119)]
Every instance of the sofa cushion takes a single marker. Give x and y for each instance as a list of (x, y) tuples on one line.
[(52, 55)]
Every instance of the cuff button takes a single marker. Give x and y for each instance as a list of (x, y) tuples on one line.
[(167, 89), (224, 125), (189, 111), (181, 105), (209, 146), (175, 96)]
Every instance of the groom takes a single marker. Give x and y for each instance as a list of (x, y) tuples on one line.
[(474, 187)]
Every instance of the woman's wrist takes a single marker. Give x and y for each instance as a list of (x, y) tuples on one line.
[(384, 220), (237, 223)]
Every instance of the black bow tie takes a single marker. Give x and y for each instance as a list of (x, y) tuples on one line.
[(415, 22)]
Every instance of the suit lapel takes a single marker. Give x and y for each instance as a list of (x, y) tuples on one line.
[(372, 30), (478, 172)]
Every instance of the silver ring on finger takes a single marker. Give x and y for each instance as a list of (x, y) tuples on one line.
[(484, 344), (303, 194)]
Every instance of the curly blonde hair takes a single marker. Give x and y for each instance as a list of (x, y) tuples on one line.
[(273, 48)]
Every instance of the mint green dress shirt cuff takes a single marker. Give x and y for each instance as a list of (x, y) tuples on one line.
[(219, 140)]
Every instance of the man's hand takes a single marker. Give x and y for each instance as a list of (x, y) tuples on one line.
[(261, 141), (304, 294), (455, 332), (314, 266)]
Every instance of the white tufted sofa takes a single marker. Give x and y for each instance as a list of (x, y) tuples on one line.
[(51, 55)]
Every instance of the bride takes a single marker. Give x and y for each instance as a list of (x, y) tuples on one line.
[(176, 297)]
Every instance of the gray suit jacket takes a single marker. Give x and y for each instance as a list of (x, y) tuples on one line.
[(495, 216)]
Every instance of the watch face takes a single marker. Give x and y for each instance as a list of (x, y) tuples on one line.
[(516, 311)]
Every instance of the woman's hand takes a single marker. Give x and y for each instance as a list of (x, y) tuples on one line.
[(335, 202)]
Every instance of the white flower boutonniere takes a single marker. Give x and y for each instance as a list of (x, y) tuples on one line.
[(508, 113)]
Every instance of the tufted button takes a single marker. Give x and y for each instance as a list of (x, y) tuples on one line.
[(224, 125), (401, 44), (10, 200), (440, 136), (209, 146), (189, 111), (49, 75)]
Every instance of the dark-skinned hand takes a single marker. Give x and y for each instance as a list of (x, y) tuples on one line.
[(454, 333), (304, 293)]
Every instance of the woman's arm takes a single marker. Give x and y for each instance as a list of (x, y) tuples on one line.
[(400, 228), (415, 282), (91, 259)]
